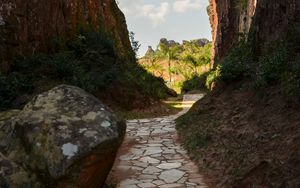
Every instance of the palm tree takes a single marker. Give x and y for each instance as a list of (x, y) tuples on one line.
[(169, 53)]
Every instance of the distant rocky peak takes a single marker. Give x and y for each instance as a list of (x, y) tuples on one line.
[(201, 42), (171, 43), (150, 51), (168, 43)]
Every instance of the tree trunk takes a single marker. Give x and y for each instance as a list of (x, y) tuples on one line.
[(170, 74)]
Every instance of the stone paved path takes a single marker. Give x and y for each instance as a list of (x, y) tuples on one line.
[(151, 155)]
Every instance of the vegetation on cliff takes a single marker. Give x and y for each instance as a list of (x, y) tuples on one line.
[(278, 65), (90, 62), (28, 28)]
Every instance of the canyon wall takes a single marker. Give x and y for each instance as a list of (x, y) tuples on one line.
[(30, 27), (266, 19)]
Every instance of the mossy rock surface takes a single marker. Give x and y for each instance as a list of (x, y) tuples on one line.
[(66, 137)]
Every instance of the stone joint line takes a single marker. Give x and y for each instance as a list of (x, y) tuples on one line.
[(156, 159)]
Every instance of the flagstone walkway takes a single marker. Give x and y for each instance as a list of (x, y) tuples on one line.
[(152, 156)]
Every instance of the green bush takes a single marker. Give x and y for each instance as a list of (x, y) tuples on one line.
[(89, 62), (228, 70), (235, 65), (271, 67), (7, 93), (11, 87), (195, 83), (291, 84), (290, 81), (231, 70), (281, 65), (198, 140), (93, 42), (146, 82), (212, 77)]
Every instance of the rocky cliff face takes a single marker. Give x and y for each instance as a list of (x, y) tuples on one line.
[(29, 27), (227, 19), (267, 19)]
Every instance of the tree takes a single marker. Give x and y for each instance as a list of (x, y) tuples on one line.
[(169, 53), (134, 43), (195, 56)]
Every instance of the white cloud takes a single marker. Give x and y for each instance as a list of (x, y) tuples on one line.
[(182, 6), (138, 8), (158, 11), (129, 7), (157, 14)]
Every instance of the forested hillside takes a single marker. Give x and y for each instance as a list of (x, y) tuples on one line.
[(183, 66)]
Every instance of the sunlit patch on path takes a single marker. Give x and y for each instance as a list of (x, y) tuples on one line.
[(151, 155)]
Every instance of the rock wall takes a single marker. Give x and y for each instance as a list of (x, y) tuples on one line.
[(231, 19), (29, 27), (272, 18)]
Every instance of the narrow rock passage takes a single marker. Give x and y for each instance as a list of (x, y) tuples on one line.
[(151, 155)]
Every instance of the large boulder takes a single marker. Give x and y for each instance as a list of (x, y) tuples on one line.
[(62, 138)]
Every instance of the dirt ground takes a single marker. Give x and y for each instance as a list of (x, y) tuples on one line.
[(244, 138)]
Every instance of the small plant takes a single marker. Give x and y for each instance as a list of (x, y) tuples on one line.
[(232, 70), (271, 67), (198, 140), (197, 82), (236, 64), (134, 43), (12, 86), (290, 81), (281, 64), (241, 4), (212, 77)]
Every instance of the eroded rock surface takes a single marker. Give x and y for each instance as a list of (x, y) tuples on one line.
[(265, 19), (62, 138), (30, 27)]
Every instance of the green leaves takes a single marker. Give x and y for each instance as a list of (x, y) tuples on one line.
[(134, 43), (185, 62), (89, 62)]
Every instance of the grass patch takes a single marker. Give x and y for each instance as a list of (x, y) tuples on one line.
[(197, 133), (165, 108)]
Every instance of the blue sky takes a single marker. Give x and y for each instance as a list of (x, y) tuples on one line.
[(178, 20)]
